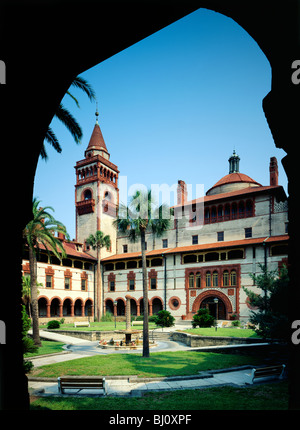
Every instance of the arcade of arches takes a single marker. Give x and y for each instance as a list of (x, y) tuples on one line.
[(56, 307), (136, 306)]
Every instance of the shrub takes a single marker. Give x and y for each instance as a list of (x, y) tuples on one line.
[(236, 323), (28, 344), (203, 319), (53, 324), (164, 319), (107, 317)]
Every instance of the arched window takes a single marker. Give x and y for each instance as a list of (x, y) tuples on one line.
[(87, 194), (213, 214), (208, 279), (241, 209), (215, 279), (220, 213), (233, 211), (233, 278), (206, 216), (249, 208), (191, 280), (198, 280), (227, 212), (225, 278)]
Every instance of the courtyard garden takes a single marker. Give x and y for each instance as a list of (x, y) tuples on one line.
[(261, 397)]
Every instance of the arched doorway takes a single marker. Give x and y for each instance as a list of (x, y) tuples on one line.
[(42, 304), (55, 308), (222, 308), (67, 308), (88, 308), (215, 306), (133, 307), (109, 306), (156, 305), (78, 306), (120, 308)]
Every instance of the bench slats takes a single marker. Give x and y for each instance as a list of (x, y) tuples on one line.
[(80, 383), (264, 372)]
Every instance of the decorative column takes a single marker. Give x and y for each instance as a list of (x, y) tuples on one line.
[(128, 313)]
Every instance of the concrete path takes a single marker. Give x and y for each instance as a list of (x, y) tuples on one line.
[(130, 386), (127, 387)]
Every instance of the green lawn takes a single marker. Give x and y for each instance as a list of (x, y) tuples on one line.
[(158, 364), (261, 397), (227, 332), (48, 347)]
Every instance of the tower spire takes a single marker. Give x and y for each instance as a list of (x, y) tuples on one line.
[(234, 163), (96, 113)]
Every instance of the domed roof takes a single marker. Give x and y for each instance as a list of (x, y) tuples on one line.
[(234, 180)]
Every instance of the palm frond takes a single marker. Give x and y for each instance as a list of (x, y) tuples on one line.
[(81, 83), (74, 98), (70, 122)]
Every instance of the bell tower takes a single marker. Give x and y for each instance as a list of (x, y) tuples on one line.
[(96, 192)]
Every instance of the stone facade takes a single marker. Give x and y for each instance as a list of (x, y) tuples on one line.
[(205, 258)]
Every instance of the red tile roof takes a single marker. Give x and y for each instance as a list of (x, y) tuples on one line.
[(96, 140), (71, 251), (138, 254), (199, 247), (232, 194), (233, 178)]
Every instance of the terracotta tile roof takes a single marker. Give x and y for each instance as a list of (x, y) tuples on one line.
[(228, 244), (232, 194), (233, 178), (71, 251), (138, 254), (96, 140), (199, 247)]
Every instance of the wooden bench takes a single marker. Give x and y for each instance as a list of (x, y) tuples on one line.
[(264, 372), (137, 323), (80, 383), (81, 324)]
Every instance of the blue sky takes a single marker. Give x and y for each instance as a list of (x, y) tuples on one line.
[(173, 106)]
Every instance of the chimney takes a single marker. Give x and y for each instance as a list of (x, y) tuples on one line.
[(273, 171), (61, 236), (181, 193)]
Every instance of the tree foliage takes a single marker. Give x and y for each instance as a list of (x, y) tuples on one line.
[(203, 318), (271, 314), (164, 319), (140, 216)]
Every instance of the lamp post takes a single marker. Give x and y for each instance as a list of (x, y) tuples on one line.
[(216, 301), (115, 312)]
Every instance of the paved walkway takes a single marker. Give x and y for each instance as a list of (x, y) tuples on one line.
[(132, 386)]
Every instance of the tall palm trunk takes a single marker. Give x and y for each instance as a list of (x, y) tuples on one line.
[(34, 297), (146, 352), (99, 286)]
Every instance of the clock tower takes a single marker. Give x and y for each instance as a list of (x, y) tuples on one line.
[(96, 192)]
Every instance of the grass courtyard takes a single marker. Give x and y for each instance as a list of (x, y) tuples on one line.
[(159, 364), (262, 397), (272, 396)]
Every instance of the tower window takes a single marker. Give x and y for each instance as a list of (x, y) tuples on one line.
[(87, 195)]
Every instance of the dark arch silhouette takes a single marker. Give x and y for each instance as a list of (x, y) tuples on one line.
[(45, 45)]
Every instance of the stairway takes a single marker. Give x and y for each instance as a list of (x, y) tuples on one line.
[(159, 336)]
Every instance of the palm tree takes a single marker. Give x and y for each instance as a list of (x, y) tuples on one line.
[(40, 230), (97, 241), (67, 119), (26, 295), (141, 215)]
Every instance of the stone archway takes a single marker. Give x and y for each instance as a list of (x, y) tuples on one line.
[(205, 299)]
